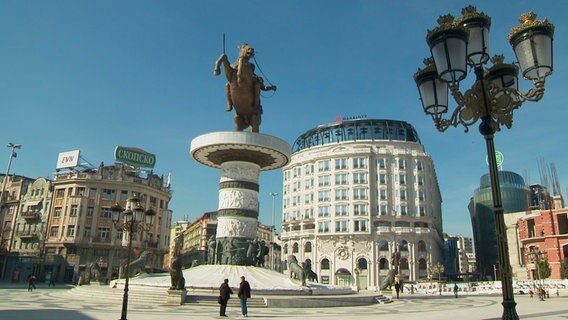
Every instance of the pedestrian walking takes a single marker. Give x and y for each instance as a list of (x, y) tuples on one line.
[(456, 290), (397, 288), (225, 293), (244, 294), (31, 283), (51, 281)]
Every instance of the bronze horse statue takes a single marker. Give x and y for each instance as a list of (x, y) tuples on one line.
[(243, 89)]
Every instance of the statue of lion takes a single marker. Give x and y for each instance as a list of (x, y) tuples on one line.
[(295, 270), (92, 273), (310, 274), (176, 274), (243, 89), (389, 280), (137, 266)]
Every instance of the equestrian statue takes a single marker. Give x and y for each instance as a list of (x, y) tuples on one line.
[(243, 89)]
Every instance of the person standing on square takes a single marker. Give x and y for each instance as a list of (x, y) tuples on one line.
[(244, 294), (225, 293)]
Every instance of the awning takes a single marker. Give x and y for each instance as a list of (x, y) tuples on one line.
[(342, 271)]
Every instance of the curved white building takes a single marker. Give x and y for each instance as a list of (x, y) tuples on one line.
[(356, 192)]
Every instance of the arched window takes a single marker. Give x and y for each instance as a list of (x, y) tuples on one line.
[(421, 246), (422, 265), (286, 248), (403, 245), (383, 264), (325, 264), (362, 264), (308, 247), (295, 248), (403, 264)]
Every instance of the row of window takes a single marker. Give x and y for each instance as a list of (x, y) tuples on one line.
[(345, 210), (383, 245), (107, 194), (75, 211), (342, 164), (343, 226), (103, 233), (341, 179)]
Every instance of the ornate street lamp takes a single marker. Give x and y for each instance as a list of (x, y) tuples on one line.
[(439, 269), (13, 154), (457, 44), (272, 262), (133, 219), (537, 257)]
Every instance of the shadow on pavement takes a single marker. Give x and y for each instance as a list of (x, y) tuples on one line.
[(44, 314)]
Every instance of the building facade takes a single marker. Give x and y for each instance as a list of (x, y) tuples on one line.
[(15, 187), (30, 230), (361, 197), (80, 229), (544, 230)]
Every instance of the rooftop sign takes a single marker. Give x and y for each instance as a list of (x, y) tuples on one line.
[(135, 157), (68, 159)]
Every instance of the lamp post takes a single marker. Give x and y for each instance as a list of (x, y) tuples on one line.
[(458, 43), (439, 269), (536, 257), (133, 219), (272, 263), (13, 154)]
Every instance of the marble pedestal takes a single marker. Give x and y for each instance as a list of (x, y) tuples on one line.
[(240, 157)]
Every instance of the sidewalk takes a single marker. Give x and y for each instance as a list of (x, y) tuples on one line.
[(59, 304)]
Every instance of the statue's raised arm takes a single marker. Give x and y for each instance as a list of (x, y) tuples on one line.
[(243, 89)]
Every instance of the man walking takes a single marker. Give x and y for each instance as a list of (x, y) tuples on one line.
[(225, 293), (244, 294)]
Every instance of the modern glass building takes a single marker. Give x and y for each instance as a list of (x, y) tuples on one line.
[(515, 197), (358, 193)]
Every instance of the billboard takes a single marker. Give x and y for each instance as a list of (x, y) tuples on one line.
[(68, 159), (135, 157)]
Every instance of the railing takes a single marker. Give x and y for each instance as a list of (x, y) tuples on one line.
[(27, 234), (152, 244), (101, 240), (29, 215)]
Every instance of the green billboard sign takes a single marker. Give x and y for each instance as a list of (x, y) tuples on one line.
[(135, 157)]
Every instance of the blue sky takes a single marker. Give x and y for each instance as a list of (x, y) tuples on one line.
[(91, 75)]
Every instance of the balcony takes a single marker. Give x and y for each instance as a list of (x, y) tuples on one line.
[(27, 234), (28, 215), (421, 230), (152, 244), (101, 240)]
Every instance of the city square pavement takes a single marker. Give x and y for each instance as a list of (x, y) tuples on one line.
[(62, 304)]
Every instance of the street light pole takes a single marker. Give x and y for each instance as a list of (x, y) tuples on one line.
[(13, 154), (272, 262), (463, 42), (133, 218)]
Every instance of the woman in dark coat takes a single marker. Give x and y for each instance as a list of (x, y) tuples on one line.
[(225, 293)]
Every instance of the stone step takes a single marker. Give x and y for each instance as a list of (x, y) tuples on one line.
[(211, 300), (383, 300), (152, 295)]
